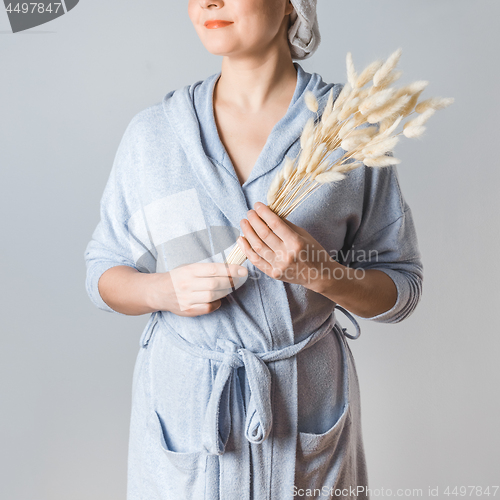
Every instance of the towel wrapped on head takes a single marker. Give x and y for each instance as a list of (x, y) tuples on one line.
[(303, 34)]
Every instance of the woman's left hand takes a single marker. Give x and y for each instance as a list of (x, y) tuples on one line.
[(283, 250)]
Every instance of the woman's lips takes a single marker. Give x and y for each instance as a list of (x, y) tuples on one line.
[(216, 23)]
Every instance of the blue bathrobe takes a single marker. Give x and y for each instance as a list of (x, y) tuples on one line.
[(260, 398)]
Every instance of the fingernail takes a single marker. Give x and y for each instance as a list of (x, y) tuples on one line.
[(242, 272)]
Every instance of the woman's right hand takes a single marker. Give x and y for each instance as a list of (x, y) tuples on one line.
[(195, 289)]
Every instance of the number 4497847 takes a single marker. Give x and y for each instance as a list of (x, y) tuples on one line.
[(471, 491), (24, 8)]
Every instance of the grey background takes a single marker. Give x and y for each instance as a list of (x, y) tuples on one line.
[(68, 90)]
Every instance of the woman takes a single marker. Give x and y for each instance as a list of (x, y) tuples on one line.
[(244, 386)]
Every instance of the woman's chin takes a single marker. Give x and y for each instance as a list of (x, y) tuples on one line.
[(220, 44), (219, 49)]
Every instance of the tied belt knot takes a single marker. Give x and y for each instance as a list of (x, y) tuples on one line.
[(259, 418)]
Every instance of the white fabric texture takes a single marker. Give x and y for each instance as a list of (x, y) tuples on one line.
[(303, 34)]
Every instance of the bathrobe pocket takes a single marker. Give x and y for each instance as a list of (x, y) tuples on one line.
[(181, 475), (184, 462), (170, 475), (314, 444), (318, 452)]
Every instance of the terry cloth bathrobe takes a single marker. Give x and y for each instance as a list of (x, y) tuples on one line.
[(260, 398)]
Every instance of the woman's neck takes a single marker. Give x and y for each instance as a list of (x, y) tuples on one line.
[(250, 84)]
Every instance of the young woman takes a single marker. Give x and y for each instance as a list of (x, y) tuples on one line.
[(245, 386)]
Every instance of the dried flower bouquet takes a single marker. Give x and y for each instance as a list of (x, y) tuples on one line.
[(361, 122)]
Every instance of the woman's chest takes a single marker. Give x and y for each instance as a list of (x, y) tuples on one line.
[(244, 137)]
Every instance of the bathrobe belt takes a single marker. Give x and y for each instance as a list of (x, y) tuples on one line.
[(259, 418)]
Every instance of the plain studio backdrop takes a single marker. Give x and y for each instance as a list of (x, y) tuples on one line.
[(69, 88)]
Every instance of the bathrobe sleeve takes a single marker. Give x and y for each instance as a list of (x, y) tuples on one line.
[(114, 242), (386, 240)]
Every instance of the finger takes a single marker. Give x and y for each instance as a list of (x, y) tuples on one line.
[(254, 257), (209, 269), (200, 296), (215, 283), (199, 309), (275, 222), (264, 231), (258, 246)]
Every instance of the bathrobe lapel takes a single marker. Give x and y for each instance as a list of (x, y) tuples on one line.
[(223, 188)]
